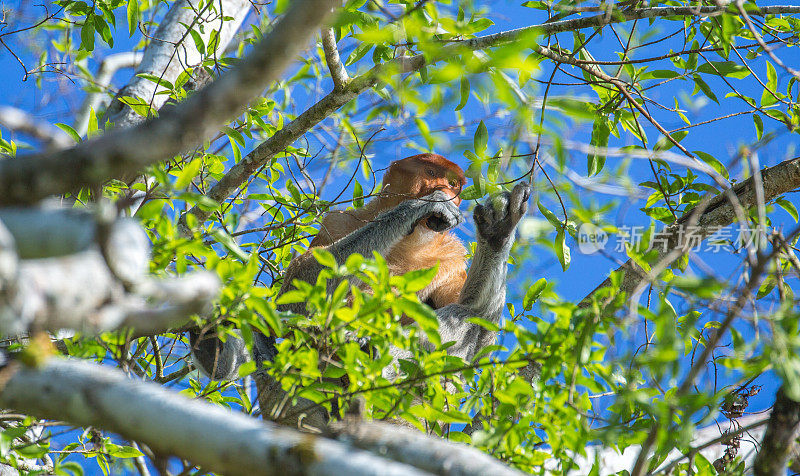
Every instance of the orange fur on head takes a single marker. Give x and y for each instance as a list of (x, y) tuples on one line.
[(413, 177)]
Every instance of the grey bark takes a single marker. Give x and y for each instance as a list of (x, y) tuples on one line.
[(15, 119), (171, 50), (412, 447), (217, 439), (122, 151), (66, 269), (779, 438)]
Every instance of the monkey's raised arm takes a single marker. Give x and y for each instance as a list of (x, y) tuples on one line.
[(484, 291)]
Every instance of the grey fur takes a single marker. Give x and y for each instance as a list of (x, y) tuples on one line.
[(484, 291), (483, 294)]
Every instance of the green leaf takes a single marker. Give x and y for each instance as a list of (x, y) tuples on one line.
[(87, 33), (417, 279), (247, 368), (480, 25), (91, 125), (133, 16), (562, 250), (221, 236), (488, 325), (600, 134), (481, 139), (158, 80), (123, 451), (663, 143), (103, 29), (730, 69), (788, 206), (189, 172), (702, 86), (198, 41), (574, 108), (423, 316), (358, 195), (324, 257), (70, 131), (661, 74), (759, 123), (533, 293), (234, 135), (772, 78), (464, 93), (358, 53), (714, 163), (551, 217)]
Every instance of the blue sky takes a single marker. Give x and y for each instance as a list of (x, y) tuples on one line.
[(721, 139)]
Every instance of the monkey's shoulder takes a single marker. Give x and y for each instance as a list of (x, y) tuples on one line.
[(338, 224)]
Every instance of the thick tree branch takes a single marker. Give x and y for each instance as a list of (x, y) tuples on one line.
[(240, 172), (64, 269), (218, 440), (412, 447), (779, 179), (779, 437), (171, 50), (29, 179)]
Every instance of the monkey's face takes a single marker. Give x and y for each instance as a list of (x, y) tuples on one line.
[(419, 176)]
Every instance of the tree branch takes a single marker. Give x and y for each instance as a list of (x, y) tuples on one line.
[(96, 99), (338, 73), (779, 437), (18, 120), (779, 179), (217, 439), (29, 179), (240, 172), (168, 54), (412, 447), (61, 269)]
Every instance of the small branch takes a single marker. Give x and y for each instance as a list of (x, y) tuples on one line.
[(761, 42), (18, 120), (338, 72), (97, 99)]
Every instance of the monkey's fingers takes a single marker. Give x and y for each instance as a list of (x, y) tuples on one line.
[(518, 205)]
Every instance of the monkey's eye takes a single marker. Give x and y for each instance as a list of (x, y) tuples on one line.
[(453, 183), (430, 172)]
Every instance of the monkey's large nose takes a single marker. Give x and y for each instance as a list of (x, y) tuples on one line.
[(449, 192)]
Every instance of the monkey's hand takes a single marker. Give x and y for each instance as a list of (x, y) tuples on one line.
[(497, 218), (437, 211)]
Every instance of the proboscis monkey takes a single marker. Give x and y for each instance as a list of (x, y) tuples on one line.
[(408, 224)]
